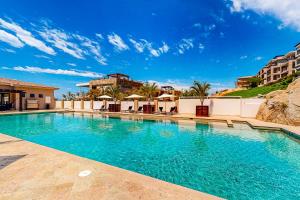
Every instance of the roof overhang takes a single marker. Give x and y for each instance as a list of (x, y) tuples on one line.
[(83, 84)]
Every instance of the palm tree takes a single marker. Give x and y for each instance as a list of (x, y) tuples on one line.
[(201, 89), (93, 94), (148, 90), (69, 96), (114, 92)]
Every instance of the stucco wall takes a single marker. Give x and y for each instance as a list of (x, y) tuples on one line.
[(58, 105), (249, 107), (97, 105), (86, 105), (126, 104), (229, 107), (188, 106), (166, 105), (77, 105)]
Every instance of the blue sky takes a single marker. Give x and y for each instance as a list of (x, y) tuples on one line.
[(62, 43)]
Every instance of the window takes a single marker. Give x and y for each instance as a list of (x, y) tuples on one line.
[(32, 95), (23, 94), (41, 95)]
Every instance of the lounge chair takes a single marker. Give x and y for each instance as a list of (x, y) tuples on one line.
[(103, 108), (128, 110), (160, 111), (140, 109), (173, 110)]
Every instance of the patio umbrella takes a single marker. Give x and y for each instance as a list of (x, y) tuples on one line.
[(135, 97), (104, 97), (164, 96)]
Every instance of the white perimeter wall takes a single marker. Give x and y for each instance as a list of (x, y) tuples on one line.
[(166, 105), (67, 104), (58, 105), (77, 105), (249, 107), (125, 105), (97, 105), (230, 107)]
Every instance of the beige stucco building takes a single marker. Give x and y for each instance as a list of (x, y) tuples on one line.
[(121, 80), (244, 82), (20, 95), (297, 55), (279, 67)]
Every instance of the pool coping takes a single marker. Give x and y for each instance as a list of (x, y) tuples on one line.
[(133, 185)]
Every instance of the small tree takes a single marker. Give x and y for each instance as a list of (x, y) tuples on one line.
[(201, 89), (149, 90)]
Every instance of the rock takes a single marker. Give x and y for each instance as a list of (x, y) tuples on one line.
[(282, 106)]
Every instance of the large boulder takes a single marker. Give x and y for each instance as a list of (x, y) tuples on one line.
[(282, 106)]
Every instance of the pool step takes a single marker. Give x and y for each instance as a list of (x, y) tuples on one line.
[(229, 123)]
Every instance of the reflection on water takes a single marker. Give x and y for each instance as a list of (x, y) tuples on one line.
[(234, 163)]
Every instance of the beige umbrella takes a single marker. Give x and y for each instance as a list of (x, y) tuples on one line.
[(135, 97), (104, 97), (164, 96)]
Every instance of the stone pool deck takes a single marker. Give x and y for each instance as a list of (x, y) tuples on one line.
[(32, 171)]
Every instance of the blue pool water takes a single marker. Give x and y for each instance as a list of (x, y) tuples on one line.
[(233, 163)]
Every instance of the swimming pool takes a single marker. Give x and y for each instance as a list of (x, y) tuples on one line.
[(233, 163)]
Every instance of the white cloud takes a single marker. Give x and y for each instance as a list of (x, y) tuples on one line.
[(10, 39), (139, 46), (42, 56), (243, 57), (88, 74), (26, 37), (165, 48), (143, 44), (201, 47), (61, 41), (8, 50), (286, 11), (94, 48), (117, 42), (156, 52), (258, 58), (222, 35), (72, 64), (197, 25), (184, 45), (99, 35)]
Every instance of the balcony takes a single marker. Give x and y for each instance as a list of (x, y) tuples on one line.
[(298, 53)]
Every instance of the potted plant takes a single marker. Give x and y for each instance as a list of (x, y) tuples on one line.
[(201, 89)]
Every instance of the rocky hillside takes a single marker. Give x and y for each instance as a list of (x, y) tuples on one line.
[(282, 106)]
